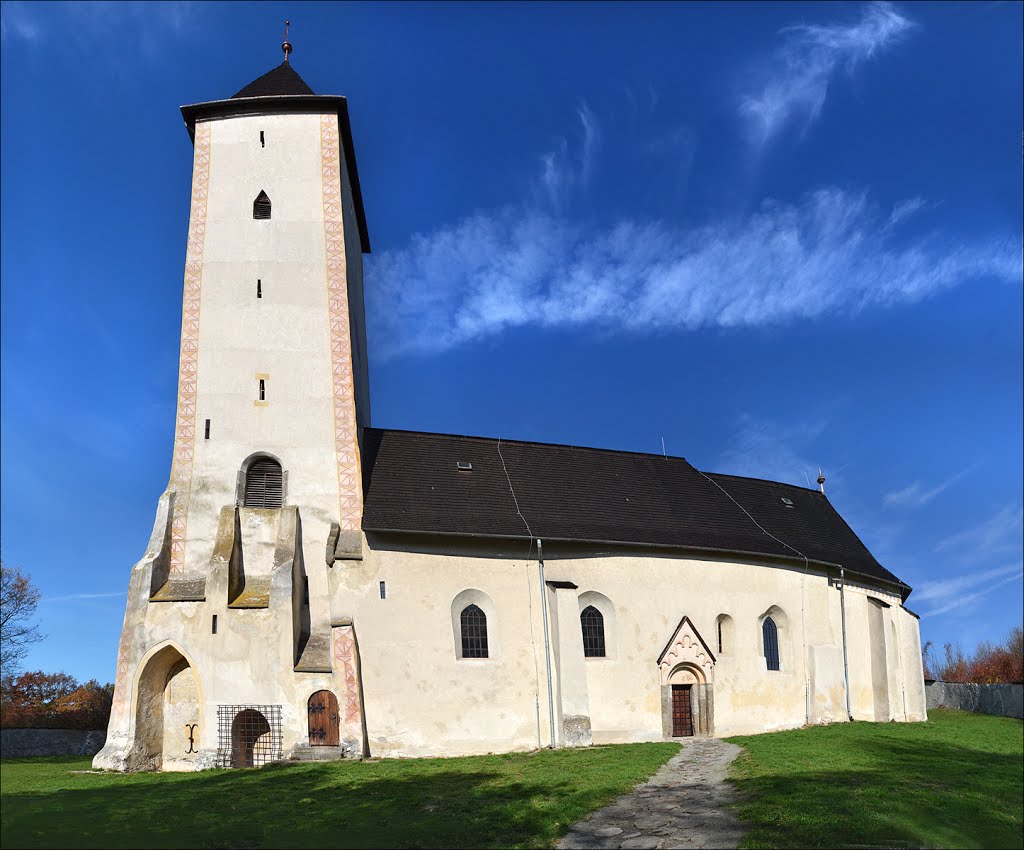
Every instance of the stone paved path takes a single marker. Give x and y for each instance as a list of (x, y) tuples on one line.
[(682, 805)]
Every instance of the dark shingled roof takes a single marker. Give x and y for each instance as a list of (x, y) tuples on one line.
[(282, 80), (412, 484)]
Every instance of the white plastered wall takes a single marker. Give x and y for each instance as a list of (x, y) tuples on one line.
[(422, 700)]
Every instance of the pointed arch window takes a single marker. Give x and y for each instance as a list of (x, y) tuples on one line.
[(474, 632), (592, 622), (261, 206), (264, 484), (771, 643)]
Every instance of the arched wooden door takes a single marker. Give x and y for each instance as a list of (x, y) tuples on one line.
[(323, 719)]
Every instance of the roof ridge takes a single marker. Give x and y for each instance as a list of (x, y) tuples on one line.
[(762, 480), (532, 443)]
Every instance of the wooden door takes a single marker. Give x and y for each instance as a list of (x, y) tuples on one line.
[(682, 715), (323, 719)]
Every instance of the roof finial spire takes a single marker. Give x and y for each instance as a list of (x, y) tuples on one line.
[(286, 45), (821, 481)]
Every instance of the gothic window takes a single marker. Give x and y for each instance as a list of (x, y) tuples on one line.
[(261, 206), (592, 622), (264, 485), (771, 643), (474, 632)]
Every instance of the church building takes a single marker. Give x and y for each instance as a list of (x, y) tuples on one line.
[(318, 588)]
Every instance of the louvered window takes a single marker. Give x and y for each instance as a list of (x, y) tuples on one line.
[(592, 622), (263, 484), (261, 206), (474, 632), (771, 643)]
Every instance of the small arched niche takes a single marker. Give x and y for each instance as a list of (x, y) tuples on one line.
[(602, 604), (725, 635), (251, 741)]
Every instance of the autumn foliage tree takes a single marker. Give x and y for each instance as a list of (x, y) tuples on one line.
[(54, 701), (989, 665)]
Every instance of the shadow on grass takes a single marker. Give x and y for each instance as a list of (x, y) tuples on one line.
[(525, 803), (894, 794)]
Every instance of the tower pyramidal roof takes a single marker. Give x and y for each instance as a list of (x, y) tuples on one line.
[(282, 80)]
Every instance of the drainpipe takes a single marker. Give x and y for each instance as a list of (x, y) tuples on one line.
[(547, 642), (846, 664)]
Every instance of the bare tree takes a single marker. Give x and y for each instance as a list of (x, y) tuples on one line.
[(18, 601)]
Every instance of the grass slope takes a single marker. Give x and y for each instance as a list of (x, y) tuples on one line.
[(955, 781), (517, 800)]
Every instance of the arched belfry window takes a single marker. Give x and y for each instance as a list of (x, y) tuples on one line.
[(771, 643), (261, 206), (474, 632), (264, 485), (592, 622)]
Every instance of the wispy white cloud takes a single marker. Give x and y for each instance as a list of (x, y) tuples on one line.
[(998, 534), (828, 253), (905, 209), (917, 494), (964, 591), (569, 168), (74, 597), (792, 87), (105, 29), (17, 22), (769, 450)]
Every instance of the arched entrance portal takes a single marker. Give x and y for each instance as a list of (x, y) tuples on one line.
[(687, 670), (250, 739), (322, 710), (168, 716)]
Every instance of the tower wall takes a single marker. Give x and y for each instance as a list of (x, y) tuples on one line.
[(241, 596)]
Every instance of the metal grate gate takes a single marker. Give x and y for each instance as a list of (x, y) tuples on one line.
[(248, 735)]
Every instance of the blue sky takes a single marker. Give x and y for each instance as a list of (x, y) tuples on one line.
[(776, 236)]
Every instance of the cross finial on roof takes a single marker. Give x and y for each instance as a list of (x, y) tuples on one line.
[(286, 45)]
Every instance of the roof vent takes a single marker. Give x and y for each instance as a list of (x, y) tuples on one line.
[(464, 466), (787, 501)]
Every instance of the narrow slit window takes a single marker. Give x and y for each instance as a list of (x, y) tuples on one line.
[(263, 390), (383, 591), (263, 142), (261, 206), (719, 637), (206, 435), (259, 288), (771, 643), (213, 627)]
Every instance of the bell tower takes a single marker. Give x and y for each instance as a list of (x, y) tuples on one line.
[(233, 594)]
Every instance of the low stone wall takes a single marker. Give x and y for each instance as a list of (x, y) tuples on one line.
[(22, 743), (1004, 700)]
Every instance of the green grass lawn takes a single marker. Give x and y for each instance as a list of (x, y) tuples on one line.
[(955, 781), (519, 800)]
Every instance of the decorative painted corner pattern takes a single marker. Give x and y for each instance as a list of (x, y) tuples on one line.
[(345, 447), (345, 665), (188, 369)]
